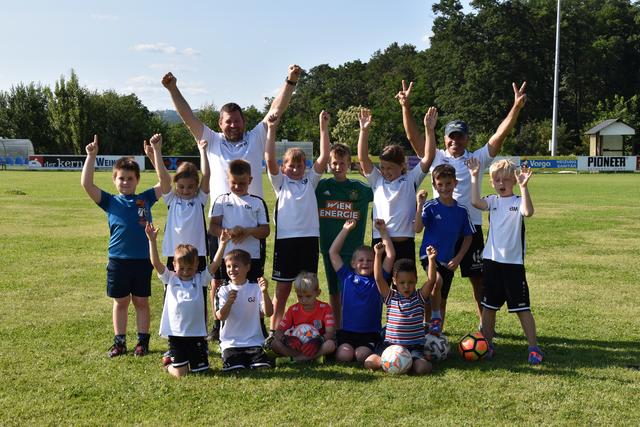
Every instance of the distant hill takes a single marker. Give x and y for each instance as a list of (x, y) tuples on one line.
[(169, 116)]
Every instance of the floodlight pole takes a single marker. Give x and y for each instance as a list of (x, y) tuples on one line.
[(554, 120)]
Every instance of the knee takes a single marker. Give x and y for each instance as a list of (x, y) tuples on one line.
[(362, 353), (421, 367), (141, 303), (372, 362), (344, 353)]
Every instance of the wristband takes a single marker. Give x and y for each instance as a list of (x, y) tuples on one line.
[(290, 82)]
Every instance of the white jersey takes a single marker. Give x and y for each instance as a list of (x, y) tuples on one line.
[(185, 223), (220, 152), (296, 213), (462, 192), (505, 242), (244, 211), (395, 201), (184, 305), (242, 326)]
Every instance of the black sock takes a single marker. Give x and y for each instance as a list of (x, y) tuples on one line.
[(120, 340), (143, 338)]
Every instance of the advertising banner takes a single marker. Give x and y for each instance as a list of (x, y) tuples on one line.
[(70, 162), (550, 163), (607, 163)]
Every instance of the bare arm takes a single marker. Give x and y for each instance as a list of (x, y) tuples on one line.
[(218, 257), (88, 169), (430, 121), (431, 273), (267, 305), (464, 247), (476, 200), (526, 205), (421, 197), (414, 135), (389, 249), (215, 225), (161, 169), (338, 242), (204, 166), (363, 141), (270, 146), (320, 164), (381, 283), (152, 235), (182, 107), (496, 141), (281, 101), (224, 311)]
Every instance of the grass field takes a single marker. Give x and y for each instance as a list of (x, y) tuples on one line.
[(583, 270)]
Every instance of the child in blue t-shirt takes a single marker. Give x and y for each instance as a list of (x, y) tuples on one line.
[(361, 303), (129, 269), (448, 228)]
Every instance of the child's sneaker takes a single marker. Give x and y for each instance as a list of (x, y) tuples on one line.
[(117, 350), (167, 358), (268, 340), (535, 355), (435, 326), (140, 350)]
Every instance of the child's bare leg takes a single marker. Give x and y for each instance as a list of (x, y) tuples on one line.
[(488, 323), (336, 306), (283, 289), (120, 315), (529, 327), (443, 309), (328, 347), (282, 349), (178, 372), (345, 353), (143, 313), (421, 367), (373, 362), (362, 353), (476, 283)]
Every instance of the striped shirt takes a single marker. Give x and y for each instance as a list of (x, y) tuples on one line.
[(405, 318)]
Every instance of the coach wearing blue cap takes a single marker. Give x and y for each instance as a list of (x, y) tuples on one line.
[(456, 139)]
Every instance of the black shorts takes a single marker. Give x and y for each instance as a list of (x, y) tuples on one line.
[(505, 282), (335, 286), (245, 358), (417, 351), (202, 263), (257, 264), (190, 351), (358, 339), (471, 264), (129, 277), (292, 256), (404, 249), (445, 273)]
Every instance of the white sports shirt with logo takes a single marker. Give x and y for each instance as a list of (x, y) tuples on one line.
[(505, 242)]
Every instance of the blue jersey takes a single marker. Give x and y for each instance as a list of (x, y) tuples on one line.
[(127, 217), (443, 226), (361, 302)]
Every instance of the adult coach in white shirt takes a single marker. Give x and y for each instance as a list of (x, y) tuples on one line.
[(234, 142), (456, 139)]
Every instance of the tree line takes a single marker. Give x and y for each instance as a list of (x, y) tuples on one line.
[(466, 72)]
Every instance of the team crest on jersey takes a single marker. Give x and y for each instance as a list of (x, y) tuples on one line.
[(251, 299), (317, 324), (247, 206), (305, 180)]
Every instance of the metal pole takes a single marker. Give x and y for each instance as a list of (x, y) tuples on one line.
[(554, 121)]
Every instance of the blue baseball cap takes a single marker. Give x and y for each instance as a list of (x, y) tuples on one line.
[(456, 126)]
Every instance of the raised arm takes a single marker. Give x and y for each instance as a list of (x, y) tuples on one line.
[(88, 169), (390, 250), (152, 235), (430, 121), (320, 164), (338, 242), (526, 205), (421, 197), (496, 141), (476, 200), (364, 118), (267, 304), (431, 273), (194, 124), (381, 283), (204, 166), (281, 101), (158, 162), (218, 257), (414, 135), (270, 146)]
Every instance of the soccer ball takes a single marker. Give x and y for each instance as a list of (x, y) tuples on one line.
[(473, 347), (396, 359), (305, 332), (436, 347)]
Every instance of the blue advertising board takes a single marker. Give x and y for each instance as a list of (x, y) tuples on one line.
[(550, 163)]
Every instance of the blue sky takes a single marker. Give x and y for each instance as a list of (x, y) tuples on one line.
[(220, 51)]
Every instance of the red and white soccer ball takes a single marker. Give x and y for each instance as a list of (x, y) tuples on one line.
[(436, 348), (305, 332), (396, 359)]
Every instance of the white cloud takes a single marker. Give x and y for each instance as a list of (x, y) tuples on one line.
[(162, 47), (103, 17), (426, 39), (145, 84)]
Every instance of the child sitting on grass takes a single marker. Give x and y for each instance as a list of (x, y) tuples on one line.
[(242, 303), (503, 256), (183, 316), (308, 310), (405, 309)]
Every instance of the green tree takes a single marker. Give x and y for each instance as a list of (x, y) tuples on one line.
[(68, 115)]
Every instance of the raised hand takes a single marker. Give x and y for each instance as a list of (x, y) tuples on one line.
[(421, 197), (169, 81), (148, 149), (324, 119), (379, 224), (403, 95), (523, 176), (519, 97), (294, 72), (92, 148), (431, 252), (225, 236), (272, 120), (151, 231), (379, 248), (156, 141), (364, 118), (474, 166), (264, 284), (349, 224), (202, 144), (431, 118)]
